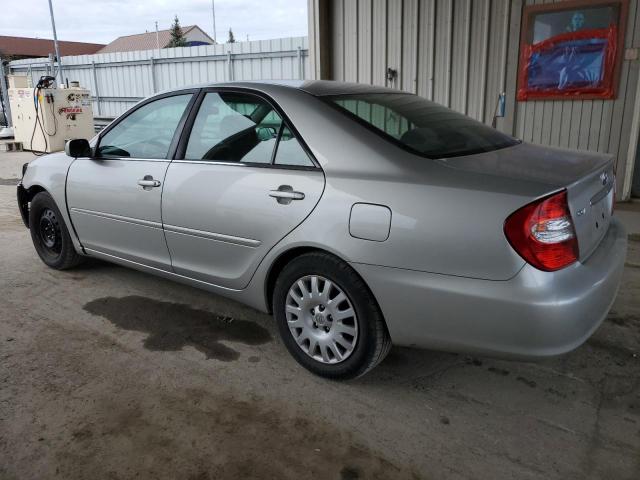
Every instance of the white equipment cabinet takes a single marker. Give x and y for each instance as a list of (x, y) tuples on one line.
[(63, 114)]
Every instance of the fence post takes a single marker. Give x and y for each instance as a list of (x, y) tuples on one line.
[(152, 71), (5, 95), (229, 66), (52, 65), (300, 64), (96, 88)]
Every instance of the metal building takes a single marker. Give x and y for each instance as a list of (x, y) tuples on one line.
[(464, 53)]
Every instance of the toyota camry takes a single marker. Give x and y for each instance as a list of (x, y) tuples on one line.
[(359, 216)]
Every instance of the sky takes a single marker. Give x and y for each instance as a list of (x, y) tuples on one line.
[(101, 21)]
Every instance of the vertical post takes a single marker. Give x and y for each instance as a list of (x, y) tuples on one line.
[(157, 37), (320, 39), (52, 65), (152, 71), (229, 67), (95, 86), (632, 150), (55, 43), (300, 65), (213, 14), (5, 95)]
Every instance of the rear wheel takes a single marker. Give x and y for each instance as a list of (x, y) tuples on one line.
[(328, 318), (49, 234)]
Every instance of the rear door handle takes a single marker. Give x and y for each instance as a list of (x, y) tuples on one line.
[(289, 195), (285, 194), (147, 183)]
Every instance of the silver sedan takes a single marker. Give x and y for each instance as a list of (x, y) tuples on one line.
[(359, 216)]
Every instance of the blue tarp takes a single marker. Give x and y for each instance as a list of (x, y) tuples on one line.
[(569, 64)]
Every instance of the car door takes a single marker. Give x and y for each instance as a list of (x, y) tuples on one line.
[(115, 198), (242, 181)]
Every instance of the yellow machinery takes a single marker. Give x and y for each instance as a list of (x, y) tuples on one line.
[(45, 116)]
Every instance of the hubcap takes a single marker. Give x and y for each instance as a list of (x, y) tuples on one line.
[(321, 319), (50, 233)]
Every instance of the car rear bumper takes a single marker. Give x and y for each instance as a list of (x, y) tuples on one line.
[(534, 314)]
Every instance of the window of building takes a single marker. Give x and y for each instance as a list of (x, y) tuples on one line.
[(571, 49)]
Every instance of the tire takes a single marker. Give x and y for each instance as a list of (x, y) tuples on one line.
[(346, 346), (50, 235)]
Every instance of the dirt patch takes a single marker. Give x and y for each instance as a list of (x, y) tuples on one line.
[(172, 326), (526, 381), (498, 371), (614, 349), (208, 436)]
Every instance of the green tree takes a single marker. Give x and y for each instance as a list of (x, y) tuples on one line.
[(231, 38), (177, 37)]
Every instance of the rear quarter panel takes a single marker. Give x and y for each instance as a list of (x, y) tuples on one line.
[(443, 220)]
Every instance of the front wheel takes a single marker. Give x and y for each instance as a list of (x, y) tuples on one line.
[(49, 234), (328, 318)]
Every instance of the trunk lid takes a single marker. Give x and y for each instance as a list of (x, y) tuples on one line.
[(588, 178), (590, 201)]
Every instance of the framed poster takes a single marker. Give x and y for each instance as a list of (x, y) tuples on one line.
[(571, 49)]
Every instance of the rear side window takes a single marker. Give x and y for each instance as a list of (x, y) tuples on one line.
[(238, 127), (234, 127), (421, 126), (290, 152)]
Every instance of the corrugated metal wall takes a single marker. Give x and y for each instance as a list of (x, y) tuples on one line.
[(462, 54), (449, 51), (118, 80)]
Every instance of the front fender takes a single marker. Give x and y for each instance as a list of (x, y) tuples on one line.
[(48, 173), (23, 204)]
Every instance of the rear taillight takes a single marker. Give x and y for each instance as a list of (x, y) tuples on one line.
[(542, 233)]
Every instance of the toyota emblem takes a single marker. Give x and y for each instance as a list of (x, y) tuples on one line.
[(604, 176)]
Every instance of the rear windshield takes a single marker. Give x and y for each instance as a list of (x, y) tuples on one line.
[(422, 126)]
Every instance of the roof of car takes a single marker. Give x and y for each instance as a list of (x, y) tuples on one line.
[(314, 87), (330, 87)]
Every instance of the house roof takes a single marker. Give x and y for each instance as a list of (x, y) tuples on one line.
[(41, 47), (145, 41)]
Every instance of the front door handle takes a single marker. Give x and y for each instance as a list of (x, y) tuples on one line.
[(285, 194), (147, 183)]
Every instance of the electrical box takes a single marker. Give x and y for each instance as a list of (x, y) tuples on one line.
[(45, 118), (18, 81)]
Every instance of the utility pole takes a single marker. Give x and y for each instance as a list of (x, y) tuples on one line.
[(213, 14), (157, 37), (6, 108), (55, 43)]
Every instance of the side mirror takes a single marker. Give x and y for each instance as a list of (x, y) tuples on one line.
[(78, 148)]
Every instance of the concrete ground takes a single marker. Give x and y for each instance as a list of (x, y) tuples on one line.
[(110, 373), (629, 213)]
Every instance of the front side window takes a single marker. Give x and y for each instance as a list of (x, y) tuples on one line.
[(147, 132), (233, 127), (421, 126)]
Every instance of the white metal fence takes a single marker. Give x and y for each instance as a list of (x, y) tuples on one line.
[(118, 80)]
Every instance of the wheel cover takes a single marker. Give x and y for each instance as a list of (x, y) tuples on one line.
[(321, 319), (50, 232)]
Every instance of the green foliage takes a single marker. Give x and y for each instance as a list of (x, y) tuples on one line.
[(231, 38), (177, 37)]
